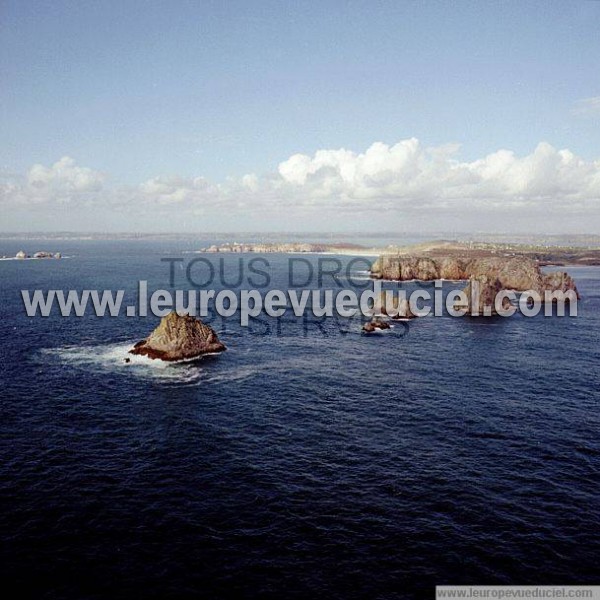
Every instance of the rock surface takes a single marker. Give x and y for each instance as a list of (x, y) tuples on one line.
[(559, 281), (481, 292), (179, 337), (517, 273), (374, 325)]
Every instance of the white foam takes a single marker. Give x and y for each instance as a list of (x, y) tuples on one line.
[(112, 357), (379, 331)]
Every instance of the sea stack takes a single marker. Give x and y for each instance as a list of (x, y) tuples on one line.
[(179, 337)]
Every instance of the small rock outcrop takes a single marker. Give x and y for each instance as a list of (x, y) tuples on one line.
[(481, 295), (21, 254), (179, 337), (374, 325)]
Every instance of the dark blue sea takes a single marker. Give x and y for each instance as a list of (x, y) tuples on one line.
[(307, 461)]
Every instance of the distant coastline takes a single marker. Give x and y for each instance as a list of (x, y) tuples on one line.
[(544, 255), (381, 239), (290, 248), (582, 250)]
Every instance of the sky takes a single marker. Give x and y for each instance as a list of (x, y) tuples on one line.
[(300, 116)]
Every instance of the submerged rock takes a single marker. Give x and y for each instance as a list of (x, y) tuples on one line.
[(179, 337)]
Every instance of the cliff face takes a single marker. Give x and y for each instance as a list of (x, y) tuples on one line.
[(451, 268), (514, 273), (179, 338)]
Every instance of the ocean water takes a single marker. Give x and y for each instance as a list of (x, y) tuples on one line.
[(307, 461)]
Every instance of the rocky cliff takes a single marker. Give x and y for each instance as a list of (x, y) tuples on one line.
[(178, 338)]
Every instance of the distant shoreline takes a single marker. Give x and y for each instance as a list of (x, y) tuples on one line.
[(545, 255), (397, 238)]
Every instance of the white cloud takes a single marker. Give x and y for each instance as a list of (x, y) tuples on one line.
[(63, 181), (65, 175), (176, 190), (398, 181), (587, 107), (409, 175)]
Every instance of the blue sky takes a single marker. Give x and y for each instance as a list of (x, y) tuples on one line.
[(139, 90)]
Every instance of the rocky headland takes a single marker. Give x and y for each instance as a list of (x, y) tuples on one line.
[(179, 337), (519, 273)]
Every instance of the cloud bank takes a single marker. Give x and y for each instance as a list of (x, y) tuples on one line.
[(63, 181), (397, 180)]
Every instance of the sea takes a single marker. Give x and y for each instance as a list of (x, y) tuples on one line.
[(307, 461)]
